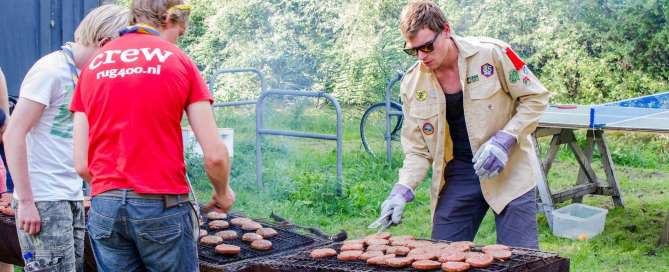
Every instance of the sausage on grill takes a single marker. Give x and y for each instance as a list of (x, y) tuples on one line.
[(218, 224), (463, 245), (359, 241), (211, 240), (452, 256), (349, 255), (370, 254), (381, 248), (322, 253), (398, 250), (419, 244), (399, 242), (239, 221), (376, 241), (251, 236), (399, 262), (426, 265), (500, 254), (227, 249), (346, 247), (214, 215), (261, 244), (267, 232), (227, 234), (251, 226), (455, 266), (478, 259), (487, 248), (381, 260), (401, 238)]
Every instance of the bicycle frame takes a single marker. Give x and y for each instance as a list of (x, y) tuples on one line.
[(390, 112)]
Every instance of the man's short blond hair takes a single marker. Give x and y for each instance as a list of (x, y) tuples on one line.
[(421, 14), (101, 23), (157, 12)]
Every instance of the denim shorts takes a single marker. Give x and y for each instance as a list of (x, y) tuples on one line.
[(135, 234)]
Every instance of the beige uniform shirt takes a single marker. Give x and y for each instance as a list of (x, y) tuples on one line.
[(499, 93)]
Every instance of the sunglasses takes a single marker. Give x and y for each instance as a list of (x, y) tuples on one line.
[(425, 48)]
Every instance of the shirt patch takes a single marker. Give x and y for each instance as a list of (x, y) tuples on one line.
[(526, 70), (526, 80), (514, 76), (428, 129), (487, 70), (517, 62), (472, 79), (421, 95)]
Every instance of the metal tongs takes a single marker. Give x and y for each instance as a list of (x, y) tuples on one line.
[(379, 223)]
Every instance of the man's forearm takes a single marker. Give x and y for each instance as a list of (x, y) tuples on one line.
[(217, 166), (80, 142), (17, 161)]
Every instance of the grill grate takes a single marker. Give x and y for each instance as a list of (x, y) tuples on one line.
[(521, 260), (285, 241)]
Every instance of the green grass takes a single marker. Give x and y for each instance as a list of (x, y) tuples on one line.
[(299, 178)]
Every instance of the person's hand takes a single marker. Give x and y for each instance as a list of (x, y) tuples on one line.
[(29, 218), (395, 203), (493, 155), (222, 202)]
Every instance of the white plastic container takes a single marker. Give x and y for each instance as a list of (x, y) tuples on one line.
[(191, 145), (578, 221)]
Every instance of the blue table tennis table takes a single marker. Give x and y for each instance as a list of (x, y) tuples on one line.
[(642, 114)]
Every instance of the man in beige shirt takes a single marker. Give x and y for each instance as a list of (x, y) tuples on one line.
[(470, 106)]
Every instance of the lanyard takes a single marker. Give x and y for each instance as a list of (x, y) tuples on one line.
[(69, 58), (139, 28)]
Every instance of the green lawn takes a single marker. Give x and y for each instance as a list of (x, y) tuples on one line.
[(299, 178)]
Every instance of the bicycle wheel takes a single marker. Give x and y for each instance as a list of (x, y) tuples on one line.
[(373, 128)]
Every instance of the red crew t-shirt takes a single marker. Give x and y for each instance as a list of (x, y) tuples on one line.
[(134, 92)]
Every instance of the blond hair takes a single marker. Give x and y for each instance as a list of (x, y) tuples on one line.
[(101, 23), (421, 14), (157, 12)]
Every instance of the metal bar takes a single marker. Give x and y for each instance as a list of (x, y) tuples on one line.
[(396, 113), (234, 104), (260, 130), (216, 74), (297, 134), (260, 75), (607, 164), (388, 94)]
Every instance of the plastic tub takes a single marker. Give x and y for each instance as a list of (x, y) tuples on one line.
[(578, 221), (191, 145)]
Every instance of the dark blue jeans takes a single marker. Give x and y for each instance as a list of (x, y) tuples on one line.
[(134, 234), (461, 208)]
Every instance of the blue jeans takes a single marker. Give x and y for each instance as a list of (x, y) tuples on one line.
[(135, 234), (461, 208)]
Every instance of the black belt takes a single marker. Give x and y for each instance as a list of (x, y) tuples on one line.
[(169, 200)]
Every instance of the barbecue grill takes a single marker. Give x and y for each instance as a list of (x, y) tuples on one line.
[(523, 259), (285, 241)]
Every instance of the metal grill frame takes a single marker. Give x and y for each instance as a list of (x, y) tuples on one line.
[(212, 262), (522, 260)]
